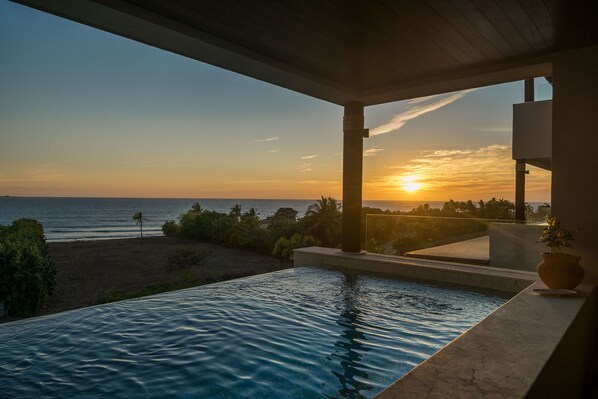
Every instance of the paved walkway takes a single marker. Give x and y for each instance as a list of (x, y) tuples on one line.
[(475, 251)]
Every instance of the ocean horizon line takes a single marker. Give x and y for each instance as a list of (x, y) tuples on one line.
[(68, 218), (257, 198)]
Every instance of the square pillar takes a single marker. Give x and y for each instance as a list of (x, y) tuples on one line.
[(353, 133), (575, 151), (520, 172), (520, 167)]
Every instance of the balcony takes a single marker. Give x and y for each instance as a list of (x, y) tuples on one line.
[(532, 133), (486, 242)]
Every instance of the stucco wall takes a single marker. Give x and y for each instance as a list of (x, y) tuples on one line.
[(575, 151)]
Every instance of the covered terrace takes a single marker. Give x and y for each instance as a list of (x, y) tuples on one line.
[(361, 53)]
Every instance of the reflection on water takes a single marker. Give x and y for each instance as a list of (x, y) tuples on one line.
[(350, 347), (298, 333)]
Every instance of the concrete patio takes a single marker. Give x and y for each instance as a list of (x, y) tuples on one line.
[(475, 251)]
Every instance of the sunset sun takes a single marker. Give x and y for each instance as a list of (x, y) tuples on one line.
[(410, 184)]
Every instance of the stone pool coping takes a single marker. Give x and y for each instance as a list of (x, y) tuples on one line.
[(505, 280), (532, 346), (503, 356)]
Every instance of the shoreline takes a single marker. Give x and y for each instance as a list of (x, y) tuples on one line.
[(59, 241)]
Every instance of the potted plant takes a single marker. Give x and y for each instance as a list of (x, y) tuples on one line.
[(558, 269)]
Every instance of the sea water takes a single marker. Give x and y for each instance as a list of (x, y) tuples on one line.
[(67, 219)]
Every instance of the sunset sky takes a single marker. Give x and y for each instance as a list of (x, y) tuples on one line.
[(87, 113)]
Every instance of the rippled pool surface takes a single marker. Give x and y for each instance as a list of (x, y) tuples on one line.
[(297, 333)]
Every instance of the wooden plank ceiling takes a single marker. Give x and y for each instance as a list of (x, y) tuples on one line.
[(344, 50)]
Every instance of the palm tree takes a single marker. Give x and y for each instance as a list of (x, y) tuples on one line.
[(139, 218), (196, 207), (251, 213), (325, 219), (235, 211)]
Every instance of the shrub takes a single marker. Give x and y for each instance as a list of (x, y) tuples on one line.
[(188, 278), (120, 295), (170, 228), (183, 258), (283, 215), (372, 246), (285, 246), (247, 233), (237, 229), (27, 273), (114, 295), (208, 226), (236, 274)]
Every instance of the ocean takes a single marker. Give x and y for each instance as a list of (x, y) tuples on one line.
[(66, 219)]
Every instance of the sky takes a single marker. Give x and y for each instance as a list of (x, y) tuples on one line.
[(85, 113)]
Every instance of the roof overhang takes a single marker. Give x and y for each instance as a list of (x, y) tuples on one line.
[(165, 25)]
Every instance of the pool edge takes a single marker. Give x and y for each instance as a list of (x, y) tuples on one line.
[(511, 353)]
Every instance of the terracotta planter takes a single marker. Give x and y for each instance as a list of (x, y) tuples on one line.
[(560, 271)]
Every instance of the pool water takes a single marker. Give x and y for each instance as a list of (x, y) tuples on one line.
[(297, 333)]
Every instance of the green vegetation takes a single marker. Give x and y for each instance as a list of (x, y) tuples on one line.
[(556, 236), (324, 221), (245, 230), (27, 273), (321, 224), (285, 246), (170, 228), (119, 295), (182, 258), (187, 279), (425, 227)]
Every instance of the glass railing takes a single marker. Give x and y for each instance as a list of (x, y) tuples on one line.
[(495, 242)]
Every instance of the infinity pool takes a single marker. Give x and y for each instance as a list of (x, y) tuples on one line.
[(297, 333)]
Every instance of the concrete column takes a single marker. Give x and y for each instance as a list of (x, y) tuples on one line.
[(529, 94), (520, 190), (574, 151), (353, 133), (520, 166)]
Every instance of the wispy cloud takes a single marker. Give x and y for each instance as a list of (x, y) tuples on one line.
[(446, 153), (484, 172), (273, 138), (272, 151), (422, 99), (309, 156), (499, 129), (372, 152), (319, 182), (257, 181), (305, 167), (418, 107)]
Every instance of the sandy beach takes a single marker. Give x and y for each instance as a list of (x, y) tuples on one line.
[(88, 270)]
